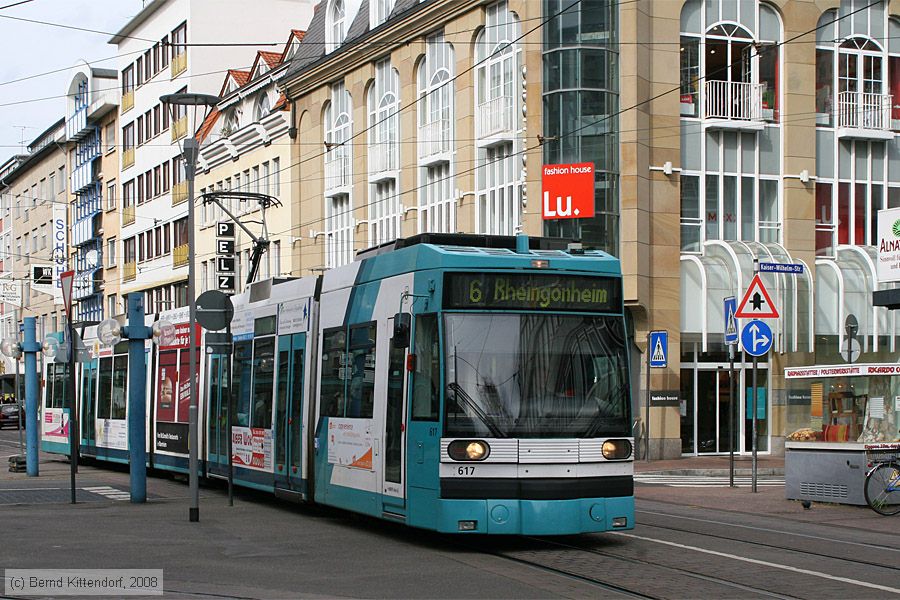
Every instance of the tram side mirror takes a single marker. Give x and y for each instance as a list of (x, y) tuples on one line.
[(400, 338)]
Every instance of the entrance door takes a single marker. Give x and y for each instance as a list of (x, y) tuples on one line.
[(219, 395), (393, 471), (88, 404), (289, 412)]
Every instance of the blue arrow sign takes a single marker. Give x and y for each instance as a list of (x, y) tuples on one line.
[(731, 332), (659, 349), (789, 268), (756, 338)]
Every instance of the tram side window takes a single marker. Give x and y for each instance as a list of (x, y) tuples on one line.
[(104, 399), (242, 370), (119, 386), (427, 377), (362, 371), (57, 386), (331, 386), (263, 380)]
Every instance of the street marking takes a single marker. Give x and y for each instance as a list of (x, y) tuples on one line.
[(705, 480), (764, 563), (108, 492), (767, 529)]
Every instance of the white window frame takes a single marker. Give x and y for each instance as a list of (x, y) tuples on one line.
[(339, 230), (335, 18), (437, 204)]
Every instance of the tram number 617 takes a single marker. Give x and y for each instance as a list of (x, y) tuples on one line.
[(465, 471)]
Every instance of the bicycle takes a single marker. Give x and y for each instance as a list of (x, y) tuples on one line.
[(882, 487)]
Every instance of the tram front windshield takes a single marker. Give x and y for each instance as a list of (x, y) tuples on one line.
[(535, 376)]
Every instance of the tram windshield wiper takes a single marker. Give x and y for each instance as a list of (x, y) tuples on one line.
[(461, 395)]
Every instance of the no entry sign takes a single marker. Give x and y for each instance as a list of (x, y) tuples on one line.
[(568, 191)]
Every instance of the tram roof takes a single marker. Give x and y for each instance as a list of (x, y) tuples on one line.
[(467, 252)]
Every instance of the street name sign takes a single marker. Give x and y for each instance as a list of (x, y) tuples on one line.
[(789, 268)]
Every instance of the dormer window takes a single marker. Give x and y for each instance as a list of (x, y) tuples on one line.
[(381, 10), (232, 122), (263, 107), (335, 30)]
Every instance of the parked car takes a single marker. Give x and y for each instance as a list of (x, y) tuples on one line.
[(8, 415)]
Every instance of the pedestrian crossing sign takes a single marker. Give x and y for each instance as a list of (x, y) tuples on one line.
[(659, 349), (731, 332)]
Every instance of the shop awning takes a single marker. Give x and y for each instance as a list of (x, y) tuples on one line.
[(844, 285), (725, 268)]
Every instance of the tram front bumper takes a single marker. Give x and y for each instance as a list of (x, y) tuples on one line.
[(536, 517)]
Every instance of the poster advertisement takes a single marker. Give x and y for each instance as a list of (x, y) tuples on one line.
[(56, 425), (112, 433), (172, 437), (252, 448), (173, 393), (349, 444)]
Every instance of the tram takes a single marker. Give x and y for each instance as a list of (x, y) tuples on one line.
[(451, 382)]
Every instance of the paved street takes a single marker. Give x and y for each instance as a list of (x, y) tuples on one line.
[(690, 542)]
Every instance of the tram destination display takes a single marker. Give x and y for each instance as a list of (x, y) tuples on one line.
[(532, 291)]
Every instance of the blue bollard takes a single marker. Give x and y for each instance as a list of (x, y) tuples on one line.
[(30, 347), (136, 333)]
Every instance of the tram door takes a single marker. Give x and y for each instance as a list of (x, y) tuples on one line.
[(219, 396), (393, 471), (289, 411), (88, 403)]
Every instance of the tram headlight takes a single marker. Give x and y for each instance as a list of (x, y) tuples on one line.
[(468, 450), (616, 449)]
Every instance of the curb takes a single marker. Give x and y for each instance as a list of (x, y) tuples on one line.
[(770, 471)]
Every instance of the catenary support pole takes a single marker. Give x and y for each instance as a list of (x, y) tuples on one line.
[(20, 399), (137, 332), (190, 152), (30, 348)]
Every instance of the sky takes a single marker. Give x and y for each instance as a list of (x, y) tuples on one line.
[(33, 49)]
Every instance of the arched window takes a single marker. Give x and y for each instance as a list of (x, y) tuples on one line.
[(437, 209), (338, 177), (384, 153), (334, 26), (232, 121), (262, 107), (497, 89)]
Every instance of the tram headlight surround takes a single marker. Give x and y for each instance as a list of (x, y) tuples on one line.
[(616, 449), (469, 450)]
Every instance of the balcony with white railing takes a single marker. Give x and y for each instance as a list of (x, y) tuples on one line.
[(337, 169), (734, 105), (865, 116), (76, 125), (434, 141), (495, 119), (383, 160)]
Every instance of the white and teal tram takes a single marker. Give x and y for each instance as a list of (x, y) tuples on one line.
[(449, 382)]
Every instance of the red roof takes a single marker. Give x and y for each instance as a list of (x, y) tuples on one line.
[(298, 33), (206, 127), (273, 59), (282, 103)]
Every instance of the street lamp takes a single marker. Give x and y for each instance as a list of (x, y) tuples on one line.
[(190, 150)]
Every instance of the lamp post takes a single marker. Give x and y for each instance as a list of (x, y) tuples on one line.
[(190, 150)]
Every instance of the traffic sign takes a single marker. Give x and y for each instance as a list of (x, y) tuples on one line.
[(756, 338), (659, 349), (731, 332), (756, 303), (789, 268), (214, 310), (851, 350), (66, 279)]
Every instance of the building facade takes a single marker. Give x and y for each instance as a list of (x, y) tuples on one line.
[(193, 48), (91, 128), (722, 134)]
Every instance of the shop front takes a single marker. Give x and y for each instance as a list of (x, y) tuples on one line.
[(833, 412)]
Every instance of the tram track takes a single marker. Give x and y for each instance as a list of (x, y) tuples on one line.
[(680, 571), (789, 548)]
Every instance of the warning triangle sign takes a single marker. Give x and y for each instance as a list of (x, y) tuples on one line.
[(659, 355), (756, 303)]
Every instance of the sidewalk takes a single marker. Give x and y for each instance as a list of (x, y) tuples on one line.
[(711, 465)]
